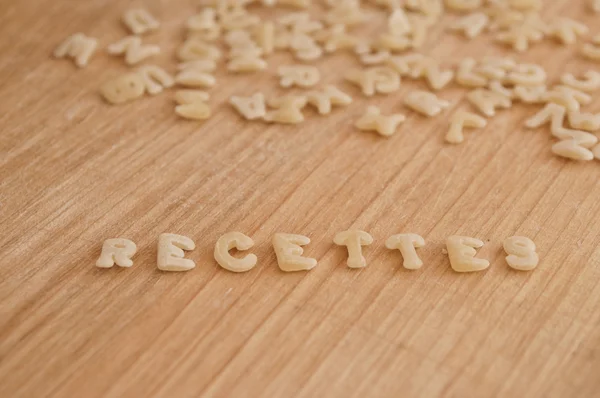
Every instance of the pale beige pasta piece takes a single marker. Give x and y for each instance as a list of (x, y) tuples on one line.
[(308, 53), (116, 251), (486, 101), (197, 110), (192, 104), (497, 87), (140, 21), (288, 109), (298, 75), (324, 99), (305, 47), (354, 240), (301, 41), (589, 83), (503, 18), (436, 78), (407, 245), (572, 148), (412, 65), (490, 72), (577, 138), (379, 79), (239, 241), (264, 34), (506, 64), (584, 121), (239, 38), (376, 58), (206, 18), (398, 23), (253, 107), (420, 29), (393, 43), (568, 97), (425, 103), (300, 23), (463, 5), (461, 252), (471, 25), (249, 52), (79, 47), (574, 144), (420, 66), (191, 96), (155, 78), (461, 120), (567, 30), (206, 35), (288, 249), (520, 36), (246, 62), (133, 49), (204, 26), (171, 253), (195, 49), (527, 75), (551, 113), (124, 88), (202, 65), (530, 94), (521, 253), (191, 77), (591, 51), (594, 5), (239, 19), (465, 75), (373, 120)]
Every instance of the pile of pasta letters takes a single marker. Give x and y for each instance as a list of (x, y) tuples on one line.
[(493, 82)]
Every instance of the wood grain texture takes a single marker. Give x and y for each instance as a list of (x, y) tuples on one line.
[(75, 171)]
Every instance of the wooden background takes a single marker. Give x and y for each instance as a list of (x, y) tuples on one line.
[(75, 171)]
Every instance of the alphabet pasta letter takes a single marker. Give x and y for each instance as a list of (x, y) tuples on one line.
[(354, 240), (461, 252), (170, 252), (116, 251), (289, 252), (407, 243), (521, 253), (239, 241)]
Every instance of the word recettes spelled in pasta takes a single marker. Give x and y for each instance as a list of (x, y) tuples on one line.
[(234, 36), (289, 250)]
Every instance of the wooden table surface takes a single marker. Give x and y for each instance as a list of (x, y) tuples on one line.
[(75, 171)]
